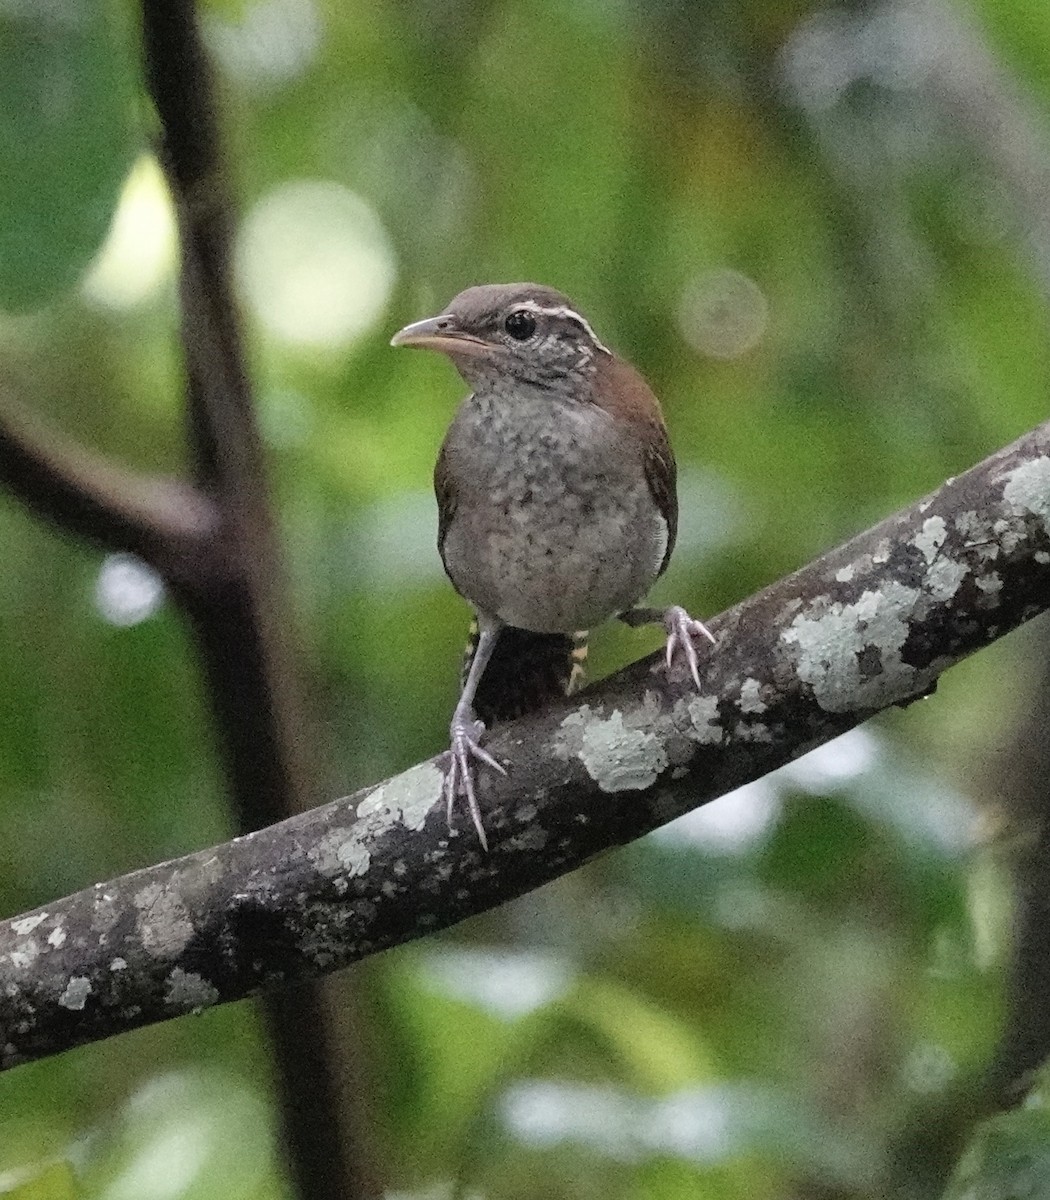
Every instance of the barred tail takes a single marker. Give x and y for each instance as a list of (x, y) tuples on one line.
[(525, 671)]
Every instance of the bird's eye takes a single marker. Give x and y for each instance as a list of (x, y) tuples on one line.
[(520, 324)]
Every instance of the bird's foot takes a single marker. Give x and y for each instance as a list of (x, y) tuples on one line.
[(681, 629), (459, 780)]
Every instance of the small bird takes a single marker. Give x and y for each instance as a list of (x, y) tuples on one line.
[(557, 504)]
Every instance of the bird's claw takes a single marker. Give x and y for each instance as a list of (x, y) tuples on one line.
[(681, 629), (459, 780)]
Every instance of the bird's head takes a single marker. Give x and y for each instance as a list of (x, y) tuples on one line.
[(511, 332)]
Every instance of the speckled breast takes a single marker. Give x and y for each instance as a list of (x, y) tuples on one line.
[(554, 529)]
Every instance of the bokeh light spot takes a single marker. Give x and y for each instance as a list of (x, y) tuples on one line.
[(723, 313), (504, 983), (315, 264), (272, 42), (127, 591), (139, 254)]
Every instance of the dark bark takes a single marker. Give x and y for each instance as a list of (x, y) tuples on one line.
[(244, 632), (169, 524), (1025, 799), (870, 624)]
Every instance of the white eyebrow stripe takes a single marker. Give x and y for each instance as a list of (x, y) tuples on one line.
[(563, 310)]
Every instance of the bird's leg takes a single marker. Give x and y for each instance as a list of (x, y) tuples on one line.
[(681, 629), (465, 734)]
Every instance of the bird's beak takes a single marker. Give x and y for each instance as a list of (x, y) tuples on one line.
[(441, 333)]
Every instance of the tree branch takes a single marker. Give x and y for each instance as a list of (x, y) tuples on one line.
[(245, 633), (870, 624), (1020, 782), (169, 524)]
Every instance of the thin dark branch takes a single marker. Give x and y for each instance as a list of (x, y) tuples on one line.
[(245, 634), (1008, 133), (870, 624), (220, 405), (1022, 792), (170, 525)]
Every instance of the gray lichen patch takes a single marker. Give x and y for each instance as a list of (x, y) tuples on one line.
[(26, 925), (198, 878), (568, 737), (617, 758), (534, 838), (408, 797), (751, 697), (977, 529), (945, 577), (76, 993), (991, 584), (1008, 536), (344, 853), (647, 714), (189, 992), (162, 921), (328, 932), (754, 732), (929, 540), (1027, 489), (105, 911), (24, 954), (702, 714), (341, 852), (829, 645), (652, 716)]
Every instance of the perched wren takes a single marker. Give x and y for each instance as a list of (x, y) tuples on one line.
[(557, 506)]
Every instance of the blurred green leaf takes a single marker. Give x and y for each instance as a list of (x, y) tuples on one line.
[(65, 144), (1008, 1160), (658, 1051), (193, 1135), (53, 1182)]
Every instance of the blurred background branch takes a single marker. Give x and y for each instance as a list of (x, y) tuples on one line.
[(245, 631), (1022, 788), (170, 525), (216, 549)]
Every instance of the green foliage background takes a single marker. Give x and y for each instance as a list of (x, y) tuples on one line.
[(762, 1005)]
